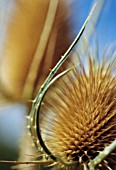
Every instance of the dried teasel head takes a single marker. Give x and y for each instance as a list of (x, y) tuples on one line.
[(78, 117)]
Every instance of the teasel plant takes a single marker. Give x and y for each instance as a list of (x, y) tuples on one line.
[(73, 116), (72, 120)]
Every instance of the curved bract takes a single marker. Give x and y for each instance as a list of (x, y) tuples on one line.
[(77, 118)]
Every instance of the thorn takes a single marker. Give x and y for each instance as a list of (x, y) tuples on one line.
[(36, 106), (28, 117), (37, 141), (40, 95), (41, 149), (33, 145), (50, 69), (35, 127), (42, 104), (100, 165), (31, 101), (28, 126), (31, 119)]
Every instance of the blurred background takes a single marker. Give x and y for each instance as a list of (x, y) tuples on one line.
[(12, 112)]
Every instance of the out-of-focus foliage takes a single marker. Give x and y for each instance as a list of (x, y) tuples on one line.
[(33, 44)]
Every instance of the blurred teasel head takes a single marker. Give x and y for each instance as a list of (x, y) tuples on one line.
[(32, 45)]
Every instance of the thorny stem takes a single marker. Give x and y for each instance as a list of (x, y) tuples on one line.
[(65, 56), (34, 114)]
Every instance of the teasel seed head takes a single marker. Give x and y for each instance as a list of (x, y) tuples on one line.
[(78, 119)]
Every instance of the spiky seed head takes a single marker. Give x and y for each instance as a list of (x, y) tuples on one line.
[(78, 119)]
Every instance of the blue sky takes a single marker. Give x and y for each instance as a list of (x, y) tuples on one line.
[(106, 26)]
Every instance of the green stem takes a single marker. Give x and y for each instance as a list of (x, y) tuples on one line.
[(37, 104)]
